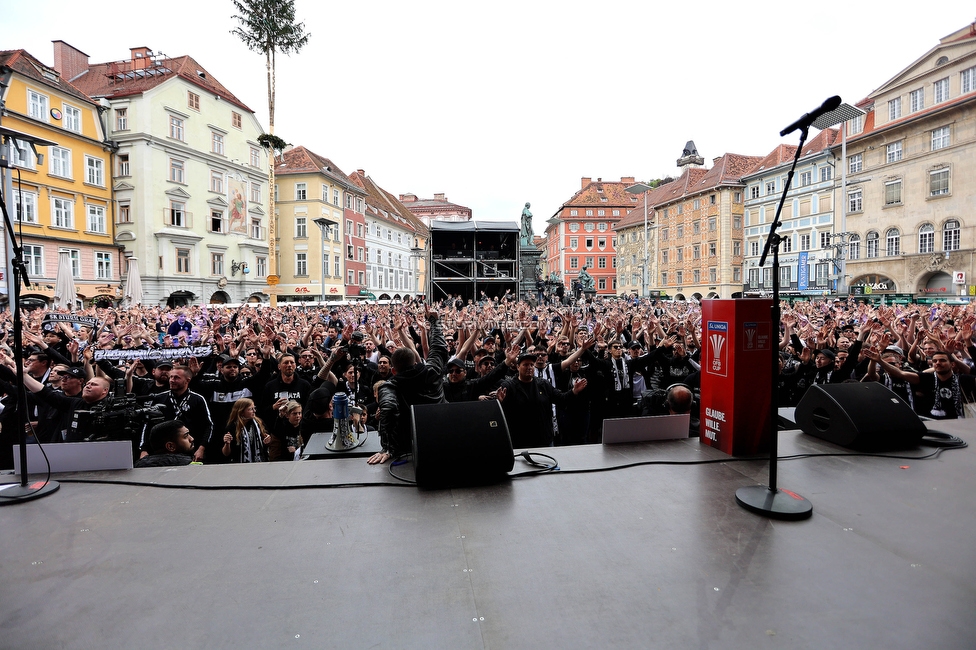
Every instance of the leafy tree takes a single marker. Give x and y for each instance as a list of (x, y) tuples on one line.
[(268, 27)]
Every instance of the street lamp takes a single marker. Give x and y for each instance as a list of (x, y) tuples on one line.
[(323, 225), (641, 188)]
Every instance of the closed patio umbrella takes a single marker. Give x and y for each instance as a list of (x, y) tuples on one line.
[(133, 284), (64, 284)]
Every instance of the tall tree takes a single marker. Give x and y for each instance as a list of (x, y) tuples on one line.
[(268, 27)]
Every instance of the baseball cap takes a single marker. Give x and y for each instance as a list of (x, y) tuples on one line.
[(897, 350), (76, 372)]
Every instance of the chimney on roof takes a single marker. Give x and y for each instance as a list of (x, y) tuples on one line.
[(584, 182), (439, 196), (69, 61), (689, 156), (627, 180), (404, 198)]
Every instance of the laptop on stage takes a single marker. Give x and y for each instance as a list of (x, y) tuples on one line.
[(652, 427)]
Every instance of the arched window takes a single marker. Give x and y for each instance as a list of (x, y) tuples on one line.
[(926, 238), (950, 235), (892, 242), (854, 247), (872, 244)]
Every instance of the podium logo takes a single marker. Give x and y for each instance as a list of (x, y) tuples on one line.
[(718, 352), (750, 332)]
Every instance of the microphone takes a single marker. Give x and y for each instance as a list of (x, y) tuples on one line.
[(829, 104)]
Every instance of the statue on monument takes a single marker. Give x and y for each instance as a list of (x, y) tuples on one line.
[(585, 280), (525, 232)]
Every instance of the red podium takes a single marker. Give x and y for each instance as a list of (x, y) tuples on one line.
[(736, 386)]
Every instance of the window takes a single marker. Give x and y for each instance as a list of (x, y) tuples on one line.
[(235, 119), (892, 242), (826, 173), (95, 171), (335, 197), (736, 248), (926, 238), (696, 227), (680, 231), (806, 178), (335, 264), (664, 278), (616, 213), (589, 243), (786, 243), (217, 143), (103, 266), (182, 260), (872, 241), (940, 91), (712, 224), (589, 262), (123, 164), (574, 227), (712, 275), (124, 214), (916, 100), (697, 204), (893, 151), (939, 182), (34, 259), (950, 235), (681, 208), (754, 192), (255, 157), (350, 277), (301, 192), (588, 227), (350, 253), (216, 221), (255, 192), (176, 170), (177, 214), (854, 164), (60, 162), (664, 234), (261, 266), (301, 227), (854, 201), (574, 213), (696, 252), (679, 277), (805, 242), (770, 187), (96, 219), (601, 262), (301, 264), (574, 262), (121, 119), (854, 247), (256, 229), (893, 192), (681, 255), (712, 199), (216, 263), (785, 274), (696, 276), (894, 108), (736, 274), (574, 242), (754, 248), (589, 213), (62, 213), (664, 257), (822, 273), (175, 127), (193, 100), (601, 213), (21, 156), (940, 138), (37, 105), (753, 278), (601, 242), (711, 249), (25, 210), (736, 222), (217, 182), (74, 256), (602, 227), (967, 80), (360, 254), (71, 119)]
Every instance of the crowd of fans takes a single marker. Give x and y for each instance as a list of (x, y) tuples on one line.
[(255, 383)]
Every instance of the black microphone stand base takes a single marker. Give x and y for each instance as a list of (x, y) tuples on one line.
[(17, 493), (775, 504)]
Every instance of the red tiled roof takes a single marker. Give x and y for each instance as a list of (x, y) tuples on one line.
[(782, 153), (115, 79), (383, 205), (23, 63), (595, 191), (299, 160)]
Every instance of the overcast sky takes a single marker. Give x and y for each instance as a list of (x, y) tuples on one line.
[(514, 101)]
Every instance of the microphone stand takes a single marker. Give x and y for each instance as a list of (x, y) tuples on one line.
[(771, 501), (25, 491)]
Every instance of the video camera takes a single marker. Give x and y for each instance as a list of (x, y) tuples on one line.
[(120, 416)]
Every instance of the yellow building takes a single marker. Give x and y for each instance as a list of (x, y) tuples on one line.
[(61, 195)]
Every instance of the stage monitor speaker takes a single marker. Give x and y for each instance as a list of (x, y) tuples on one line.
[(865, 416), (461, 443)]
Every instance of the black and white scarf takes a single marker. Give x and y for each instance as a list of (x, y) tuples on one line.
[(621, 379), (950, 392)]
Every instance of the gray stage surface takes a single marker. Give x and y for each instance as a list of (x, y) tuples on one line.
[(647, 557)]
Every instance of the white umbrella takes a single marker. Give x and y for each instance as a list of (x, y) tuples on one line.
[(64, 285), (133, 284)]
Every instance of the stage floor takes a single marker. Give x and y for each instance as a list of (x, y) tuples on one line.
[(645, 557)]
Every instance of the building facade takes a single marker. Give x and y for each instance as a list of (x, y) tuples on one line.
[(190, 178), (63, 201), (437, 208), (580, 233), (320, 229), (809, 264), (910, 198)]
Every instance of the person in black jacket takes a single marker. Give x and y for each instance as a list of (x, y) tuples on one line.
[(180, 403), (171, 444), (414, 382)]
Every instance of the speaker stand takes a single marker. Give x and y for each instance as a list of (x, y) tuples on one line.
[(773, 503)]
